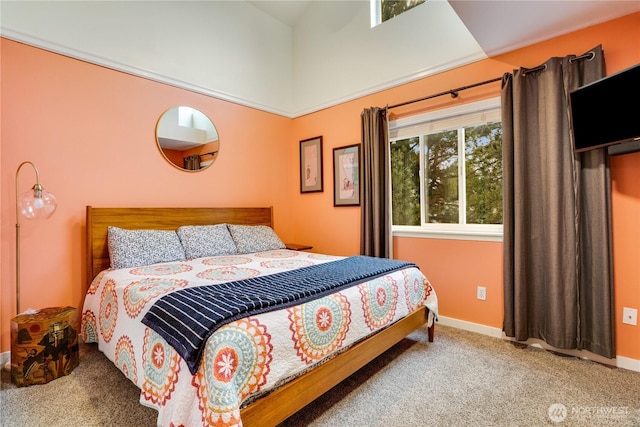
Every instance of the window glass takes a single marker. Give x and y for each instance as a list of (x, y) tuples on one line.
[(441, 177), (405, 181), (391, 8), (383, 10), (446, 170), (483, 163)]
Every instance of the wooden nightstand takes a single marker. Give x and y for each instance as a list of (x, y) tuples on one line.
[(44, 345), (297, 247)]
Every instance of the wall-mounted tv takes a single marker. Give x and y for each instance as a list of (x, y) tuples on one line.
[(607, 113)]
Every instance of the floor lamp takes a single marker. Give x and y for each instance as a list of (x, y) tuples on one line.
[(34, 204)]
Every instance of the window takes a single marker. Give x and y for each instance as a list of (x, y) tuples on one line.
[(446, 173), (383, 10)]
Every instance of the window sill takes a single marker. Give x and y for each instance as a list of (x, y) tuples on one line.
[(421, 233)]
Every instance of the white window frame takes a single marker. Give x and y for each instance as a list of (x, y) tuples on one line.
[(376, 13), (419, 125)]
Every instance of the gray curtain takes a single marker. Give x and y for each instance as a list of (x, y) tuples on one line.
[(375, 236), (192, 162), (558, 284)]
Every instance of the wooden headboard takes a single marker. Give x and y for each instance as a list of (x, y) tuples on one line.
[(98, 219)]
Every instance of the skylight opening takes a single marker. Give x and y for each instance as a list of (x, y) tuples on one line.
[(383, 10)]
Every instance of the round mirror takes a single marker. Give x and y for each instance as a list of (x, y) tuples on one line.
[(187, 138)]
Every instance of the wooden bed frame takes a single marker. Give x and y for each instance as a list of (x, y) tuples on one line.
[(277, 406)]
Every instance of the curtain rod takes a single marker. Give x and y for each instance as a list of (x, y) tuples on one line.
[(589, 55), (452, 92), (208, 154)]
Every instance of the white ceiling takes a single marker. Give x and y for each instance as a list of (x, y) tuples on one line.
[(286, 11), (498, 25), (501, 26)]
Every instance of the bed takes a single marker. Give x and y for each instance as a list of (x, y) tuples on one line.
[(255, 370)]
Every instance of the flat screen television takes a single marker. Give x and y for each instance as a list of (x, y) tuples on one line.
[(607, 113)]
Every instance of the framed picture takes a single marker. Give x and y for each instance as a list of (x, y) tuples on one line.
[(311, 165), (346, 175)]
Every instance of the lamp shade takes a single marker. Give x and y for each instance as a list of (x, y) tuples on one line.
[(37, 203)]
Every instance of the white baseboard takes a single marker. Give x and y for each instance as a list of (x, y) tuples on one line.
[(619, 361), (470, 326), (628, 363)]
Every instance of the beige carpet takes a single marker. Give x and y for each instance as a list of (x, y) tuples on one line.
[(461, 379)]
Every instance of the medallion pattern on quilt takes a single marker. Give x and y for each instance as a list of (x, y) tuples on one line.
[(379, 300), (160, 270), (89, 327), (161, 365), (126, 359), (322, 256), (108, 310), (278, 253), (137, 294), (239, 356), (95, 284), (414, 289), (286, 263), (228, 274), (319, 326), (429, 288), (226, 260)]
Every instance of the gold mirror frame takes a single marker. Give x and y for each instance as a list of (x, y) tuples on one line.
[(187, 138)]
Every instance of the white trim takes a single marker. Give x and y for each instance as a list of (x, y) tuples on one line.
[(134, 71), (469, 326), (448, 234), (160, 78), (375, 11), (628, 363), (619, 362)]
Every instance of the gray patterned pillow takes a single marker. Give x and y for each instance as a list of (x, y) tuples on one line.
[(135, 248), (206, 240), (254, 238)]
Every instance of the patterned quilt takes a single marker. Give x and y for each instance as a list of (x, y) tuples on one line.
[(248, 356)]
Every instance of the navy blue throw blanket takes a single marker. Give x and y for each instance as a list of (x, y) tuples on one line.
[(187, 317)]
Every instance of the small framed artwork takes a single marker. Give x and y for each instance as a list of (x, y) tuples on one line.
[(346, 175), (311, 165)]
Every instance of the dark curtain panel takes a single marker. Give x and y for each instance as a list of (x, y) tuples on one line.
[(557, 233), (192, 163), (375, 236)]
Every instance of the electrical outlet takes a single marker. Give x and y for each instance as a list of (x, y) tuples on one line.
[(630, 316), (482, 293)]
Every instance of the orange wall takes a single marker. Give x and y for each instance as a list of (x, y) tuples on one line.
[(457, 267), (63, 114), (91, 133)]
